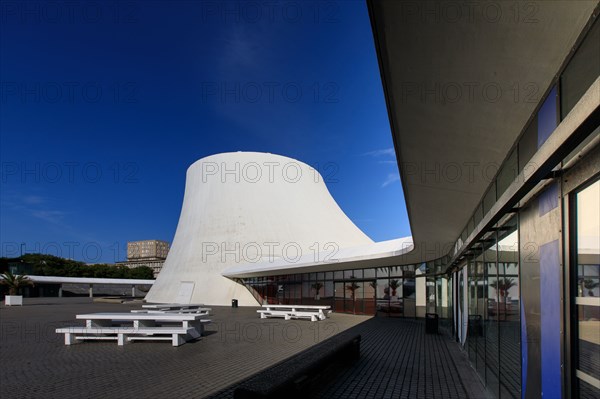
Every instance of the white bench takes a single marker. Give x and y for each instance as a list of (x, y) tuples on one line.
[(180, 327), (288, 315), (201, 311), (172, 306), (288, 312), (177, 335)]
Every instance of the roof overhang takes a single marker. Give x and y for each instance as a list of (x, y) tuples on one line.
[(379, 254), (461, 82), (88, 280)]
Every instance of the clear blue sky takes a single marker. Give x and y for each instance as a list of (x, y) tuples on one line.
[(105, 105)]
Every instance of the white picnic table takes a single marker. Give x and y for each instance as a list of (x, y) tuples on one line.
[(140, 319), (172, 306), (313, 312), (124, 327), (203, 311)]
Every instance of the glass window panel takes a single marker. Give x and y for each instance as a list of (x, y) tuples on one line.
[(338, 275), (509, 327), (369, 273), (547, 118), (397, 271), (528, 145), (490, 199), (358, 273), (588, 284), (507, 174), (470, 226), (478, 215), (589, 340), (383, 297), (581, 71), (328, 275), (492, 372), (327, 289)]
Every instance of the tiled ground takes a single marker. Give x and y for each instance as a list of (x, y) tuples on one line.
[(34, 363), (397, 358)]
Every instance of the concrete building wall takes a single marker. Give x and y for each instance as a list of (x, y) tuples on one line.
[(244, 208)]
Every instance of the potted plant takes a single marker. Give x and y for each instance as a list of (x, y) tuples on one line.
[(317, 287), (394, 284), (503, 285), (14, 283), (352, 287)]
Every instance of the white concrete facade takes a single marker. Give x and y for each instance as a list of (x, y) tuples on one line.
[(248, 208)]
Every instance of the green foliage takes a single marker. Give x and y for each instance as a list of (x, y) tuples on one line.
[(352, 287), (317, 286), (49, 265), (14, 282)]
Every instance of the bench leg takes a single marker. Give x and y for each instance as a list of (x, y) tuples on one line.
[(68, 339), (313, 318), (178, 340), (121, 339), (288, 317), (263, 316)]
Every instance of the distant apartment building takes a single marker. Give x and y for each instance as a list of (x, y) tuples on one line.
[(151, 253)]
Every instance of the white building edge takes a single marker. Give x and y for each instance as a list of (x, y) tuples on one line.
[(255, 214)]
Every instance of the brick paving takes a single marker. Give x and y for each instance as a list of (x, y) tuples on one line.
[(398, 360), (35, 363)]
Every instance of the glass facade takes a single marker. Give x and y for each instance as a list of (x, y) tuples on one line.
[(588, 291), (385, 291), (493, 294)]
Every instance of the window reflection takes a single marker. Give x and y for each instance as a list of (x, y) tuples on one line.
[(508, 294), (588, 288)]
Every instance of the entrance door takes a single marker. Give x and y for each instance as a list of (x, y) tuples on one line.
[(355, 296)]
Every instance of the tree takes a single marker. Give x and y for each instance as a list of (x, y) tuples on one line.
[(317, 287), (352, 288), (394, 284), (14, 282), (502, 285), (589, 284)]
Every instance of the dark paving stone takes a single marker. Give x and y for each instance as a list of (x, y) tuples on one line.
[(36, 363), (398, 360)]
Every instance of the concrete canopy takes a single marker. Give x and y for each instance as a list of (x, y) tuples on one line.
[(461, 80)]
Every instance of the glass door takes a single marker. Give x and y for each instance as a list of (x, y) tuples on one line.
[(587, 301)]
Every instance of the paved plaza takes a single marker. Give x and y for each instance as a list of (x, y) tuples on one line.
[(397, 358)]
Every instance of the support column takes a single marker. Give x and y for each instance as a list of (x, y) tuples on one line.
[(60, 291), (91, 289), (133, 291)]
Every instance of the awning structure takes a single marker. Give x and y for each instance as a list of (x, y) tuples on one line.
[(378, 254)]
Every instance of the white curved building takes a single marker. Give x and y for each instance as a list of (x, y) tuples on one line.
[(248, 208)]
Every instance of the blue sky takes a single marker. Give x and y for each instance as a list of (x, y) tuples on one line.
[(104, 105)]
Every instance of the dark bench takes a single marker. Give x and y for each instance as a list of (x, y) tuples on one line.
[(292, 378)]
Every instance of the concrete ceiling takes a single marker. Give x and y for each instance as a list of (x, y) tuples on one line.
[(461, 80)]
